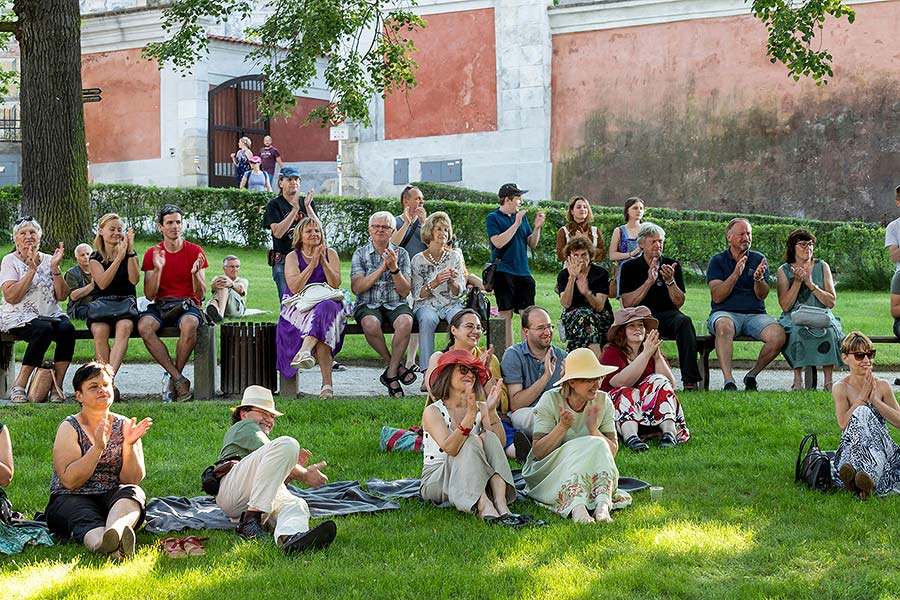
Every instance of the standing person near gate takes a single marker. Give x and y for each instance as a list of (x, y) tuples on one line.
[(174, 280), (270, 156), (282, 215), (510, 236)]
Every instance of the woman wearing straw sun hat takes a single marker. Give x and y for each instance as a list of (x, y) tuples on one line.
[(571, 468), (641, 386)]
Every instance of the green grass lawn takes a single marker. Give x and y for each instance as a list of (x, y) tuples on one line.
[(863, 310), (731, 524)]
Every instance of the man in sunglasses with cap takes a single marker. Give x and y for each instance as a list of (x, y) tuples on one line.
[(253, 486), (510, 236)]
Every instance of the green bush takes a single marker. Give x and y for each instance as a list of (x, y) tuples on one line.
[(230, 216)]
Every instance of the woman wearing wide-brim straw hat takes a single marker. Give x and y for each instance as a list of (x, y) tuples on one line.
[(641, 386), (571, 468)]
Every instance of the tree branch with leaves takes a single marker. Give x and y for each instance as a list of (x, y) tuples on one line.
[(365, 42)]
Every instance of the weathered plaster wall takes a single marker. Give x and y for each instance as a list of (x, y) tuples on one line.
[(301, 142), (457, 79), (125, 124), (691, 114)]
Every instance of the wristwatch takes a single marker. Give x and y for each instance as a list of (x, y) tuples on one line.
[(394, 272)]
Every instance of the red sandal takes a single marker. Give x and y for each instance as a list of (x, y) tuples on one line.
[(173, 547), (193, 545)]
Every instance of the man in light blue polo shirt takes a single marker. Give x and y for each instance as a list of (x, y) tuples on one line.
[(531, 367), (738, 284)]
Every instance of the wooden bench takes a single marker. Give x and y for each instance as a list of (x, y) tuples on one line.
[(496, 335), (204, 384), (706, 345)]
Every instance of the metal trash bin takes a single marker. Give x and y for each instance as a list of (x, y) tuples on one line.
[(248, 357)]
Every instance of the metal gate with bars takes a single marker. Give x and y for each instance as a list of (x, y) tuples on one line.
[(233, 114)]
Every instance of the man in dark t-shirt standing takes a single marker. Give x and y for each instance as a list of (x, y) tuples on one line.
[(282, 215), (269, 157), (656, 281)]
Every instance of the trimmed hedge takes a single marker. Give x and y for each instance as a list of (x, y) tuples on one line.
[(230, 216)]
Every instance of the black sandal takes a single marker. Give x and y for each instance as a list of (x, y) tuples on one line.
[(635, 444), (668, 440), (394, 389), (406, 376)]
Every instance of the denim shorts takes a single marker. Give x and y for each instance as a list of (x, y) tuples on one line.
[(751, 325)]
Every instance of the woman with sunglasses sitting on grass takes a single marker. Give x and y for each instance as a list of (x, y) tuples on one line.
[(464, 462), (867, 460)]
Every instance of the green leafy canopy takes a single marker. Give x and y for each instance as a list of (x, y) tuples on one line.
[(794, 30), (365, 42)]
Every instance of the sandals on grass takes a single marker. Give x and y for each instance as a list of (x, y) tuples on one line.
[(178, 548)]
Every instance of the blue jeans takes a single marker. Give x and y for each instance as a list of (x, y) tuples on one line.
[(280, 281), (428, 319)]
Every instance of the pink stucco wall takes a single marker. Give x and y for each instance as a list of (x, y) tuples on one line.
[(716, 64)]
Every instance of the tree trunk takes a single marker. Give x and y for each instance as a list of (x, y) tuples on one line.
[(54, 157)]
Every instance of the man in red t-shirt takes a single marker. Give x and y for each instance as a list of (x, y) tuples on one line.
[(270, 157), (175, 280)]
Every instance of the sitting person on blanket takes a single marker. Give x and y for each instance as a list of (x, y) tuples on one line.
[(642, 386), (867, 460), (229, 292), (98, 462), (254, 489), (571, 468), (464, 463)]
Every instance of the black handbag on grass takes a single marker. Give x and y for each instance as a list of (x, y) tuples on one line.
[(813, 466)]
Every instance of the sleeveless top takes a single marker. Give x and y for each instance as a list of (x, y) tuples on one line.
[(256, 181), (106, 474), (432, 452), (626, 244), (318, 274), (805, 295), (120, 285)]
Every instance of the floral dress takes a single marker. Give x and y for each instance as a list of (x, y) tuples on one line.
[(582, 324), (582, 471), (649, 402)]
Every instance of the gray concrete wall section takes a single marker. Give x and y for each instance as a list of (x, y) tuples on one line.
[(520, 149)]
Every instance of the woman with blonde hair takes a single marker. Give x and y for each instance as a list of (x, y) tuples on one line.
[(302, 330), (115, 272), (438, 279), (241, 159)]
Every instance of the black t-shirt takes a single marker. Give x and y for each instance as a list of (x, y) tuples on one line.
[(276, 210), (120, 284), (633, 274), (598, 283)]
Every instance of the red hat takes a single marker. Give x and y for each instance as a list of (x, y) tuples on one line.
[(460, 357)]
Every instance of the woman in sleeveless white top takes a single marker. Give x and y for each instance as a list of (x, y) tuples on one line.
[(579, 221), (464, 463)]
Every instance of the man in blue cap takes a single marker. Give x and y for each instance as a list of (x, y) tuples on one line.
[(282, 215)]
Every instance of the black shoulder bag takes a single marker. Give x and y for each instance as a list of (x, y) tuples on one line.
[(487, 275), (813, 466)]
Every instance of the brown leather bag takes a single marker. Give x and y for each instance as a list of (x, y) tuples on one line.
[(42, 381)]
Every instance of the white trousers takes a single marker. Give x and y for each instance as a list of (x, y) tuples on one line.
[(257, 483)]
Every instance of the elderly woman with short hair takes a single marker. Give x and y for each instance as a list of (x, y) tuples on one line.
[(438, 279), (33, 286), (572, 466)]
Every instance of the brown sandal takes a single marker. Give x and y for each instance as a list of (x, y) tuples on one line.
[(193, 545), (173, 547)]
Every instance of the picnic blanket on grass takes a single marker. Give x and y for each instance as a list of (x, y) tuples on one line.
[(20, 533), (409, 488), (173, 513)]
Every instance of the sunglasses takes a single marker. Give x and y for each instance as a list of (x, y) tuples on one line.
[(464, 370), (860, 356), (21, 220)]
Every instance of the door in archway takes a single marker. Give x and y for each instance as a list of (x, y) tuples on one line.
[(233, 114)]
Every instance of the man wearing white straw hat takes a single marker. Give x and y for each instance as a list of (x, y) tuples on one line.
[(254, 489)]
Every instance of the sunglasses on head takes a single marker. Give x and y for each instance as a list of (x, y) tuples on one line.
[(21, 220), (860, 356)]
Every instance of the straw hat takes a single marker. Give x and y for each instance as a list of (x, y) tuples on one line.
[(624, 316), (583, 364), (460, 357), (259, 397)]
